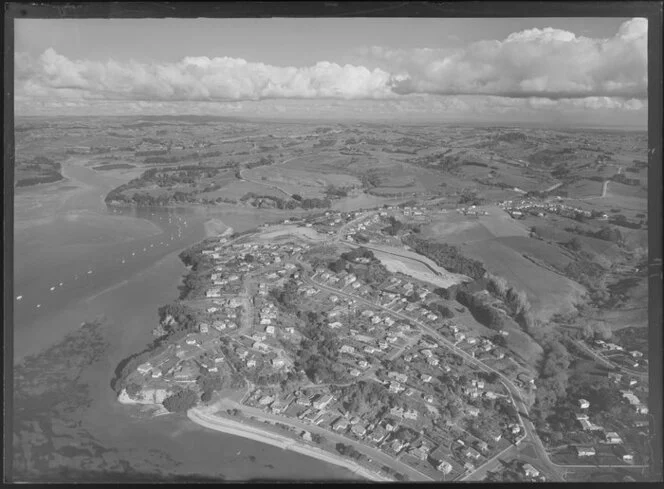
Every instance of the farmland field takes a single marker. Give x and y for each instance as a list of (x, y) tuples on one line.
[(455, 228), (620, 189), (584, 188), (236, 189), (552, 255), (308, 184), (547, 291)]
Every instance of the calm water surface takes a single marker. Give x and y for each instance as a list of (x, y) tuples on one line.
[(69, 252)]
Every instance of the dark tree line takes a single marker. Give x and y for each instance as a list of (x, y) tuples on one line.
[(446, 256)]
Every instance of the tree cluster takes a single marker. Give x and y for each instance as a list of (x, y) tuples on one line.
[(553, 379), (318, 351), (181, 401), (394, 227), (349, 451), (446, 256), (484, 313)]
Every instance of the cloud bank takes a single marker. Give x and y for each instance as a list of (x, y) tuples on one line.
[(532, 64)]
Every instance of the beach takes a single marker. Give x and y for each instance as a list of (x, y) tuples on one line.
[(202, 417)]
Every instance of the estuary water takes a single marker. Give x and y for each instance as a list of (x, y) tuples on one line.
[(76, 260)]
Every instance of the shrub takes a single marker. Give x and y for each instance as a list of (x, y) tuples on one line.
[(181, 402)]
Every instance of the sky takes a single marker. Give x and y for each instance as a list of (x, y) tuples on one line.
[(588, 71)]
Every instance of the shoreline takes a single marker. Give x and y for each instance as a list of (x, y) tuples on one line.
[(235, 428)]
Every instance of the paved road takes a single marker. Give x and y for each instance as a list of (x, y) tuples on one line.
[(240, 428), (530, 433), (373, 453)]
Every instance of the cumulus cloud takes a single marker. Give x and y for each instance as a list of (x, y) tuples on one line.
[(548, 62), (536, 66), (198, 78)]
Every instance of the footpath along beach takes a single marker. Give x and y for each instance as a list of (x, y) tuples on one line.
[(228, 426)]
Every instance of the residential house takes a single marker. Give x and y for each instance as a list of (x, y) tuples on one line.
[(585, 451), (641, 409), (530, 471), (584, 404), (612, 438), (614, 376), (358, 430), (303, 401), (397, 412), (410, 414), (444, 467), (623, 453), (631, 398), (214, 292), (641, 423), (340, 424), (278, 362), (482, 446), (495, 435), (323, 401), (418, 453), (378, 435), (397, 445), (470, 452), (144, 368), (397, 376)]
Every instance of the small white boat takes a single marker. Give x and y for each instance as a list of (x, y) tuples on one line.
[(19, 297), (151, 246), (144, 249), (60, 284), (132, 253), (89, 271), (52, 289), (38, 305), (123, 261)]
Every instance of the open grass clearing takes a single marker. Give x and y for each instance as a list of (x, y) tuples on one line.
[(235, 189), (550, 254), (548, 292), (616, 189), (584, 188)]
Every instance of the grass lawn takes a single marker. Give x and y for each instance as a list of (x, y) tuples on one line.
[(547, 291)]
